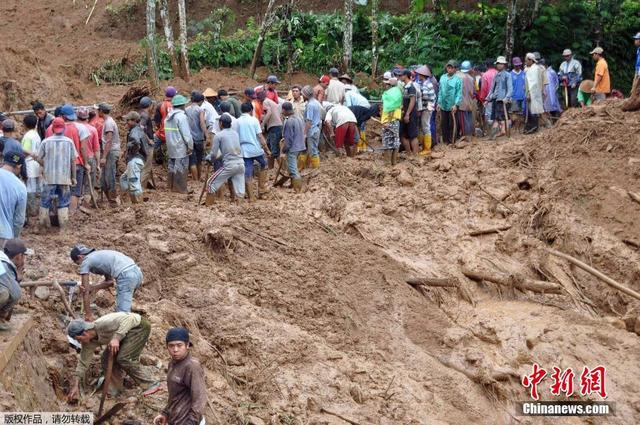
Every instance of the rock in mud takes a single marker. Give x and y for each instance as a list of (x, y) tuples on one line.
[(404, 178), (42, 292)]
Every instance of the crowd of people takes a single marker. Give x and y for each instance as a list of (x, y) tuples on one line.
[(62, 156)]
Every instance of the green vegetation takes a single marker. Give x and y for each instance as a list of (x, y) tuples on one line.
[(417, 37)]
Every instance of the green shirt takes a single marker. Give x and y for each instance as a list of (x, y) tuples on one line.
[(584, 97), (450, 94)]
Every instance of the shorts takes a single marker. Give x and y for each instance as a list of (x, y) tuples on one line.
[(517, 106), (497, 111), (248, 165), (345, 135), (409, 130), (130, 181), (51, 191), (198, 153), (78, 189), (274, 135), (391, 135)]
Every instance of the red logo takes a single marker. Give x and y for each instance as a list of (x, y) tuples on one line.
[(592, 381)]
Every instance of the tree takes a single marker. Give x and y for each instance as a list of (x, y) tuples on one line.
[(374, 38), (268, 20), (168, 33), (152, 49), (184, 57), (348, 35), (510, 30)]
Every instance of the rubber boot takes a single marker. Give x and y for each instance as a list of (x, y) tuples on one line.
[(302, 161), (43, 217), (262, 183), (248, 183), (350, 151), (494, 133), (315, 162), (210, 199), (426, 145), (362, 145), (297, 184), (63, 217), (394, 157)]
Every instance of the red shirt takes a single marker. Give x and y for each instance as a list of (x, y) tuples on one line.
[(93, 144), (71, 132), (97, 123), (165, 108), (485, 83)]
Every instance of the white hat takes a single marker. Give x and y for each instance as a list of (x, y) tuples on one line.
[(388, 78), (501, 59), (567, 52), (531, 56)]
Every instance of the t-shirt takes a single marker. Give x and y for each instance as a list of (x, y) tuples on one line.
[(408, 93), (271, 114), (70, 131), (227, 142), (319, 93), (31, 143), (13, 204), (248, 131), (58, 154), (146, 123), (93, 144), (110, 125), (602, 69), (193, 114), (312, 113), (335, 91), (106, 263), (211, 117), (339, 115)]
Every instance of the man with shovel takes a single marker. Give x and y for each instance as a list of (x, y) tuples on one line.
[(124, 335)]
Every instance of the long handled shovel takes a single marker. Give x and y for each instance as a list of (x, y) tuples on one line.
[(204, 185), (455, 128), (506, 120), (107, 382)]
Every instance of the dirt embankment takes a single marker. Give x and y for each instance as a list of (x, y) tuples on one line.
[(299, 303)]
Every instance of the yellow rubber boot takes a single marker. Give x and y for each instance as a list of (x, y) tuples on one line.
[(426, 145), (315, 162), (362, 146), (302, 161)]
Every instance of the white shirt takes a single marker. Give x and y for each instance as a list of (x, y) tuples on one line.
[(211, 117), (339, 115)]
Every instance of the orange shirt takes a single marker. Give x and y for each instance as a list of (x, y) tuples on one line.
[(602, 69)]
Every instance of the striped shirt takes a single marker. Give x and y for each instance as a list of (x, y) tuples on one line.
[(58, 154)]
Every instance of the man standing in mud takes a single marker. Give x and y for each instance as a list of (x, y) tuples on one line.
[(185, 382)]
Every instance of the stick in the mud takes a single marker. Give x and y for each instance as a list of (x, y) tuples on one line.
[(442, 282), (596, 273), (490, 230), (337, 415), (454, 135), (106, 383), (503, 279), (204, 185), (64, 299), (506, 120)]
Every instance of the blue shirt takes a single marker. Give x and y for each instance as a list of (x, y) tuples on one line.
[(312, 114), (248, 130), (13, 205), (638, 62), (518, 82)]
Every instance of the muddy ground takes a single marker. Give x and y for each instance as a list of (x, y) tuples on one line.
[(299, 305)]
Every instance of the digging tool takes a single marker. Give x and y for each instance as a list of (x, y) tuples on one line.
[(455, 128), (204, 185), (107, 382), (506, 120), (566, 94), (64, 299), (92, 191), (115, 409), (277, 180), (68, 283)]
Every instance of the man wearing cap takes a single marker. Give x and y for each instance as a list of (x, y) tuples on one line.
[(179, 144), (271, 87), (196, 115), (145, 107), (226, 145), (124, 335), (8, 143), (137, 145), (57, 155), (320, 90), (464, 115), (449, 100), (485, 86), (335, 89), (44, 119), (272, 123), (390, 117), (31, 145), (500, 96), (111, 152), (223, 95), (114, 266), (159, 118), (293, 134), (12, 258), (253, 145), (570, 73), (536, 80), (185, 383), (601, 81), (312, 128), (425, 79), (13, 196), (92, 146), (518, 83)]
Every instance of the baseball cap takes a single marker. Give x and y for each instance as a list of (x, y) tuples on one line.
[(133, 115), (325, 79), (103, 106), (170, 91), (179, 100), (78, 250), (177, 334), (68, 112), (57, 125), (388, 78), (14, 157), (273, 79), (145, 102), (307, 91), (346, 77), (424, 70), (83, 113), (8, 125), (452, 63), (249, 92), (287, 107), (637, 36), (567, 52), (599, 50), (516, 61), (13, 247), (78, 326), (334, 72)]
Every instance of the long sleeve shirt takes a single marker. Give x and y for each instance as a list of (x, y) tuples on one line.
[(293, 134), (450, 92), (108, 327), (572, 70), (502, 87), (178, 134), (187, 392), (13, 205), (485, 83), (428, 94)]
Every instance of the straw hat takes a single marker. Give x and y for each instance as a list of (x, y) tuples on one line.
[(209, 92), (586, 86)]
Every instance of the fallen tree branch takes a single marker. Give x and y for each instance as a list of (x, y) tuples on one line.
[(596, 273), (337, 415), (632, 243), (443, 282), (490, 230), (519, 282), (67, 307)]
